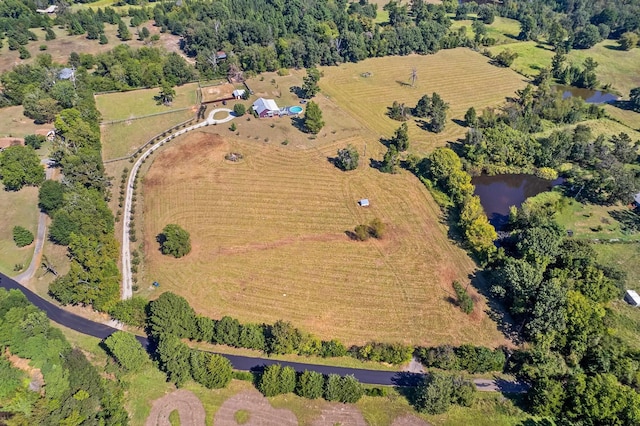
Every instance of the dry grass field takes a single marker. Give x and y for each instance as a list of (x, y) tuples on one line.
[(462, 77), (14, 123), (269, 242)]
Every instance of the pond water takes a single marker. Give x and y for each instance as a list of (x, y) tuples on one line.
[(590, 96), (498, 193)]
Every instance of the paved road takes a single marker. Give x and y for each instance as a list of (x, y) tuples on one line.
[(127, 283), (41, 236), (245, 363)]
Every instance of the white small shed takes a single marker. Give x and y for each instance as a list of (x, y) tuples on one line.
[(238, 93), (364, 202), (632, 298)]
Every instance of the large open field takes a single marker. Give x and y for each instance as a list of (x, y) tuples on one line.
[(269, 242), (462, 77), (13, 123), (18, 208)]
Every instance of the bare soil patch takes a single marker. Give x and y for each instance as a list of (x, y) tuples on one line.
[(340, 414), (185, 402), (217, 92), (261, 413)]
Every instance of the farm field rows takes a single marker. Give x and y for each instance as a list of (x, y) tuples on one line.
[(461, 77), (269, 242)]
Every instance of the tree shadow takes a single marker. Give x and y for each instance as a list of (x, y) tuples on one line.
[(352, 235), (161, 239), (298, 123), (375, 164), (628, 218), (459, 122), (403, 83), (298, 91), (623, 105), (424, 125), (406, 384), (616, 48)]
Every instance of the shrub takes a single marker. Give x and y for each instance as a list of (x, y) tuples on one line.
[(361, 232), (392, 353), (131, 311), (126, 350), (345, 389), (376, 228), (22, 236), (438, 391), (347, 158), (212, 371), (233, 127), (310, 385), (34, 141), (276, 380), (464, 300)]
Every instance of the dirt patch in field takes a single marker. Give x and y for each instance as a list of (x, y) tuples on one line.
[(189, 407), (409, 420), (261, 413), (217, 92), (37, 379), (340, 414)]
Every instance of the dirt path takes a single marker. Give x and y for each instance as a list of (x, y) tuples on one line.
[(341, 414), (188, 405), (261, 413)]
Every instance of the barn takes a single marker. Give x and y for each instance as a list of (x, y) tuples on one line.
[(266, 107)]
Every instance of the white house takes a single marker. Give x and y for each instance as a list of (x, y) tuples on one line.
[(632, 298), (238, 93), (266, 107)]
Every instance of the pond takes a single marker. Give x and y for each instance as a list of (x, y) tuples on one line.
[(498, 193), (590, 96)]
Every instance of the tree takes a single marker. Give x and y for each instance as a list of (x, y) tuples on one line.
[(487, 13), (131, 311), (390, 161), (464, 300), (423, 107), (166, 95), (276, 380), (123, 32), (310, 385), (212, 371), (628, 40), (103, 39), (227, 331), (505, 58), (347, 158), (400, 138), (34, 141), (310, 83), (126, 350), (376, 228), (174, 241), (414, 76), (352, 390), (471, 118), (361, 232), (434, 394), (398, 111), (252, 337), (144, 33), (174, 357), (171, 314), (333, 388), (283, 338), (20, 166), (239, 110), (634, 99), (22, 236), (313, 118), (438, 113), (587, 37)]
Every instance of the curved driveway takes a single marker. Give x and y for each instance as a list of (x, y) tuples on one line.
[(245, 363), (127, 283)]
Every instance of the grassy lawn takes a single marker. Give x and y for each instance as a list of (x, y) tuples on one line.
[(13, 123), (532, 56), (123, 138), (140, 103), (18, 208), (503, 30), (269, 242), (462, 77), (628, 117)]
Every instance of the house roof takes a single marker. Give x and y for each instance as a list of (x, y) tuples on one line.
[(262, 104), (220, 54), (364, 202), (65, 74), (238, 92)]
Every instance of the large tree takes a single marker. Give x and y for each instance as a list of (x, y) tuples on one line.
[(313, 118), (171, 314), (126, 350), (20, 166), (174, 241), (347, 158), (310, 86), (213, 371)]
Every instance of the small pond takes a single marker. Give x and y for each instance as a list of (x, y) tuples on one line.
[(590, 96), (498, 193)]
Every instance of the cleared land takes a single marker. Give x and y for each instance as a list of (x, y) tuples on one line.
[(18, 208), (14, 123), (503, 30), (461, 77), (269, 242), (140, 103)]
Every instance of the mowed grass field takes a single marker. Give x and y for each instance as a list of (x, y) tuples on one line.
[(269, 242), (140, 103), (13, 123), (18, 208), (461, 77)]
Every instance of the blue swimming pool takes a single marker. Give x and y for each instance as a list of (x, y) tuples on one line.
[(295, 109)]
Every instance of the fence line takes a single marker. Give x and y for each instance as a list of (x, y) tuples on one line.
[(122, 120)]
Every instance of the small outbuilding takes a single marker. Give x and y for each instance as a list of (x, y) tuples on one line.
[(238, 93), (364, 202), (632, 298), (266, 107), (66, 74), (51, 9)]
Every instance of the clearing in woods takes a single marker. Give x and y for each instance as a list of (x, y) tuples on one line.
[(269, 242), (460, 76)]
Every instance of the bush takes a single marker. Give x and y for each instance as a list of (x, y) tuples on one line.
[(392, 353), (438, 391), (174, 241), (34, 141), (210, 370), (347, 158), (22, 236), (239, 110), (131, 311), (464, 300), (376, 228), (276, 380), (345, 389), (310, 385), (361, 232), (246, 376), (126, 350)]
